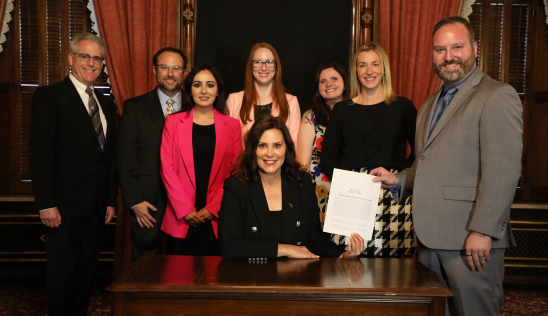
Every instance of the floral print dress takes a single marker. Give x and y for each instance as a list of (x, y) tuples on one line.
[(321, 181)]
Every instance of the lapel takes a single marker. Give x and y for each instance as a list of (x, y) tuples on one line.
[(79, 106), (290, 209), (155, 109), (423, 121), (221, 139), (462, 95), (184, 137), (260, 206)]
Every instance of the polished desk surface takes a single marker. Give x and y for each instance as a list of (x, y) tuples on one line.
[(344, 276)]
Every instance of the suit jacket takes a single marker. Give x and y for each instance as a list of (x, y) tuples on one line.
[(244, 223), (138, 151), (178, 168), (466, 173), (69, 169), (234, 104)]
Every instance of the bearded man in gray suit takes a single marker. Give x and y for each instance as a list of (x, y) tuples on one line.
[(469, 146)]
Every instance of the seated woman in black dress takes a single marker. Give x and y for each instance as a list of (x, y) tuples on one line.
[(372, 130), (269, 208)]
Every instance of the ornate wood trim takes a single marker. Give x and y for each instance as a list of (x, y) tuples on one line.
[(362, 28), (186, 32)]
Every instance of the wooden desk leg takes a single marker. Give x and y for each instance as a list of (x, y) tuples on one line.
[(437, 308), (118, 305)]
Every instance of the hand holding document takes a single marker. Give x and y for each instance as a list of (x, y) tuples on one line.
[(352, 206)]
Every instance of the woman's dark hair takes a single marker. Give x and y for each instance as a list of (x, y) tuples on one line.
[(247, 169), (220, 101), (319, 107)]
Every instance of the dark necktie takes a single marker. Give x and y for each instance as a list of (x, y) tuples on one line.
[(95, 117), (438, 112)]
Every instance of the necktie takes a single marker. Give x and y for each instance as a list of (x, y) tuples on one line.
[(95, 118), (438, 112), (170, 109)]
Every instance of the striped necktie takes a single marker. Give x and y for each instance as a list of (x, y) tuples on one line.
[(95, 118), (170, 109)]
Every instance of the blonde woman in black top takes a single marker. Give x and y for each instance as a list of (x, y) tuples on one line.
[(371, 130)]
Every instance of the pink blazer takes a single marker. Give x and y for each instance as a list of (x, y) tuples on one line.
[(234, 104), (178, 168)]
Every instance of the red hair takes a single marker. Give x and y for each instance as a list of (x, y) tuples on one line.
[(279, 100)]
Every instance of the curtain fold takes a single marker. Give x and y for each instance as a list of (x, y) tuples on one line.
[(406, 35), (133, 30)]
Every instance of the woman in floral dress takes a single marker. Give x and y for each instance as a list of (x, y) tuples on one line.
[(330, 87)]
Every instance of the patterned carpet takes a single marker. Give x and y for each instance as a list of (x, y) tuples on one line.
[(27, 297)]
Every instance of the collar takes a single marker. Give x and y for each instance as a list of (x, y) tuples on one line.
[(164, 98), (79, 86)]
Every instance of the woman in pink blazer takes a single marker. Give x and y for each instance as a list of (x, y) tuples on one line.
[(199, 146), (264, 92)]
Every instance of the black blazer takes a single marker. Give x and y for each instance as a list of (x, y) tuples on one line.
[(244, 227), (69, 170), (138, 151)]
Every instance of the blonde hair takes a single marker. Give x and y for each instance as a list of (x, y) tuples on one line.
[(386, 81), (76, 39)]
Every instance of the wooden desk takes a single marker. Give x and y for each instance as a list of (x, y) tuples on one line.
[(184, 285)]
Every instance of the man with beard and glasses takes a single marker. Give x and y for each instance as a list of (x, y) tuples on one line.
[(138, 152), (468, 144)]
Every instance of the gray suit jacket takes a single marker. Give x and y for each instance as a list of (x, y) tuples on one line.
[(465, 175)]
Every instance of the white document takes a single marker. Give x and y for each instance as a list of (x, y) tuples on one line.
[(352, 205)]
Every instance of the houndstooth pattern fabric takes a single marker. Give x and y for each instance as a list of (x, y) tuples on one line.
[(393, 234)]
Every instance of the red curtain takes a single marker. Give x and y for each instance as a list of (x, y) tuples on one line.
[(133, 30), (406, 35)]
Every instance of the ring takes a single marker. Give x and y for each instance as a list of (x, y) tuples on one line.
[(469, 255), (481, 256), (353, 250)]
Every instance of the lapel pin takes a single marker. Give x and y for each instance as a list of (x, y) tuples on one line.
[(290, 205)]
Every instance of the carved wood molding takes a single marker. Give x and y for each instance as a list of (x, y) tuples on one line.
[(187, 21), (363, 23)]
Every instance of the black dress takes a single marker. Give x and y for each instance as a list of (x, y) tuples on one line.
[(363, 137), (201, 240)]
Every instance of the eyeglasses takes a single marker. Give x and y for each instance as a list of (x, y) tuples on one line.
[(86, 57), (259, 63), (165, 68)]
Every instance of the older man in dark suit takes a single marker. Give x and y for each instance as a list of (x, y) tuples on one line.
[(72, 162), (469, 145), (138, 151)]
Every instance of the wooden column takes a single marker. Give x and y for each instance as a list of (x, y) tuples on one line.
[(187, 34)]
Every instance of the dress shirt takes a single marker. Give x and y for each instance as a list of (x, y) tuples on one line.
[(81, 88), (164, 98)]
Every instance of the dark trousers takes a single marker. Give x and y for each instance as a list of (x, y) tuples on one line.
[(72, 254), (146, 241), (199, 241)]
